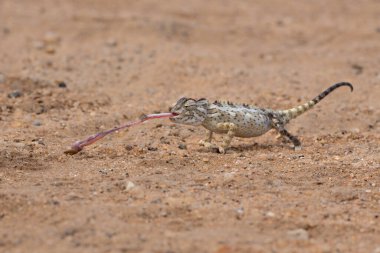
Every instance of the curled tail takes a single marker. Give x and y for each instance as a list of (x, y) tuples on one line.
[(296, 111)]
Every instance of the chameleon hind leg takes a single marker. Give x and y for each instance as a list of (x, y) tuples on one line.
[(284, 133), (292, 138)]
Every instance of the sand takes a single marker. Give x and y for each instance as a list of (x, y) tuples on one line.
[(69, 69)]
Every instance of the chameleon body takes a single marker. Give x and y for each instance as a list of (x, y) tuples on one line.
[(240, 120)]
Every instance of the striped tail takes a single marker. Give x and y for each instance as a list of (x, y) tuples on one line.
[(296, 111)]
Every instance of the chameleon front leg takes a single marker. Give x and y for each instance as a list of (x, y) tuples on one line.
[(231, 129), (207, 143)]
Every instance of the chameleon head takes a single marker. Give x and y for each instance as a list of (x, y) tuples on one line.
[(189, 111)]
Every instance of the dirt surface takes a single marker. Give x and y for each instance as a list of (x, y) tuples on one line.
[(71, 68)]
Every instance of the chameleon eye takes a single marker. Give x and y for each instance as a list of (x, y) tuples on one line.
[(190, 103)]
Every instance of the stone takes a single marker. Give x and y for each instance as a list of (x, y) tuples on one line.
[(50, 50), (15, 94), (2, 78), (239, 213), (270, 214), (37, 123), (111, 42), (298, 234), (39, 45), (62, 85), (182, 146), (51, 38), (130, 186)]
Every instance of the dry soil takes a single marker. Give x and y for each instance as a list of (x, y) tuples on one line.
[(71, 68)]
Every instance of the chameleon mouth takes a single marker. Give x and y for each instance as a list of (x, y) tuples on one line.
[(174, 115)]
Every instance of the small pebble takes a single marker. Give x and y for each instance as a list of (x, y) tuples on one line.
[(62, 85), (111, 43), (37, 123), (182, 146), (19, 145), (69, 232), (49, 64), (50, 50), (38, 45), (152, 148), (15, 94), (51, 37), (6, 30), (103, 171), (40, 109), (299, 234), (130, 185), (267, 57), (355, 130), (229, 175), (357, 68), (239, 213), (54, 202), (2, 78), (40, 141), (128, 147)]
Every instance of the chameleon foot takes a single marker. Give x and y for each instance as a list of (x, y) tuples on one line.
[(221, 150), (207, 144), (231, 128)]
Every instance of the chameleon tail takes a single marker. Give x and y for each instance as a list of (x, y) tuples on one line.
[(296, 111)]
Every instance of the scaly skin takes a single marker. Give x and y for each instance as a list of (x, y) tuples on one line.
[(240, 120)]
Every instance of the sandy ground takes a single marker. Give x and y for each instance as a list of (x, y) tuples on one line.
[(71, 68)]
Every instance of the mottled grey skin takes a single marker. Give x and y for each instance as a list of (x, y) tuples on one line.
[(249, 122), (240, 120)]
